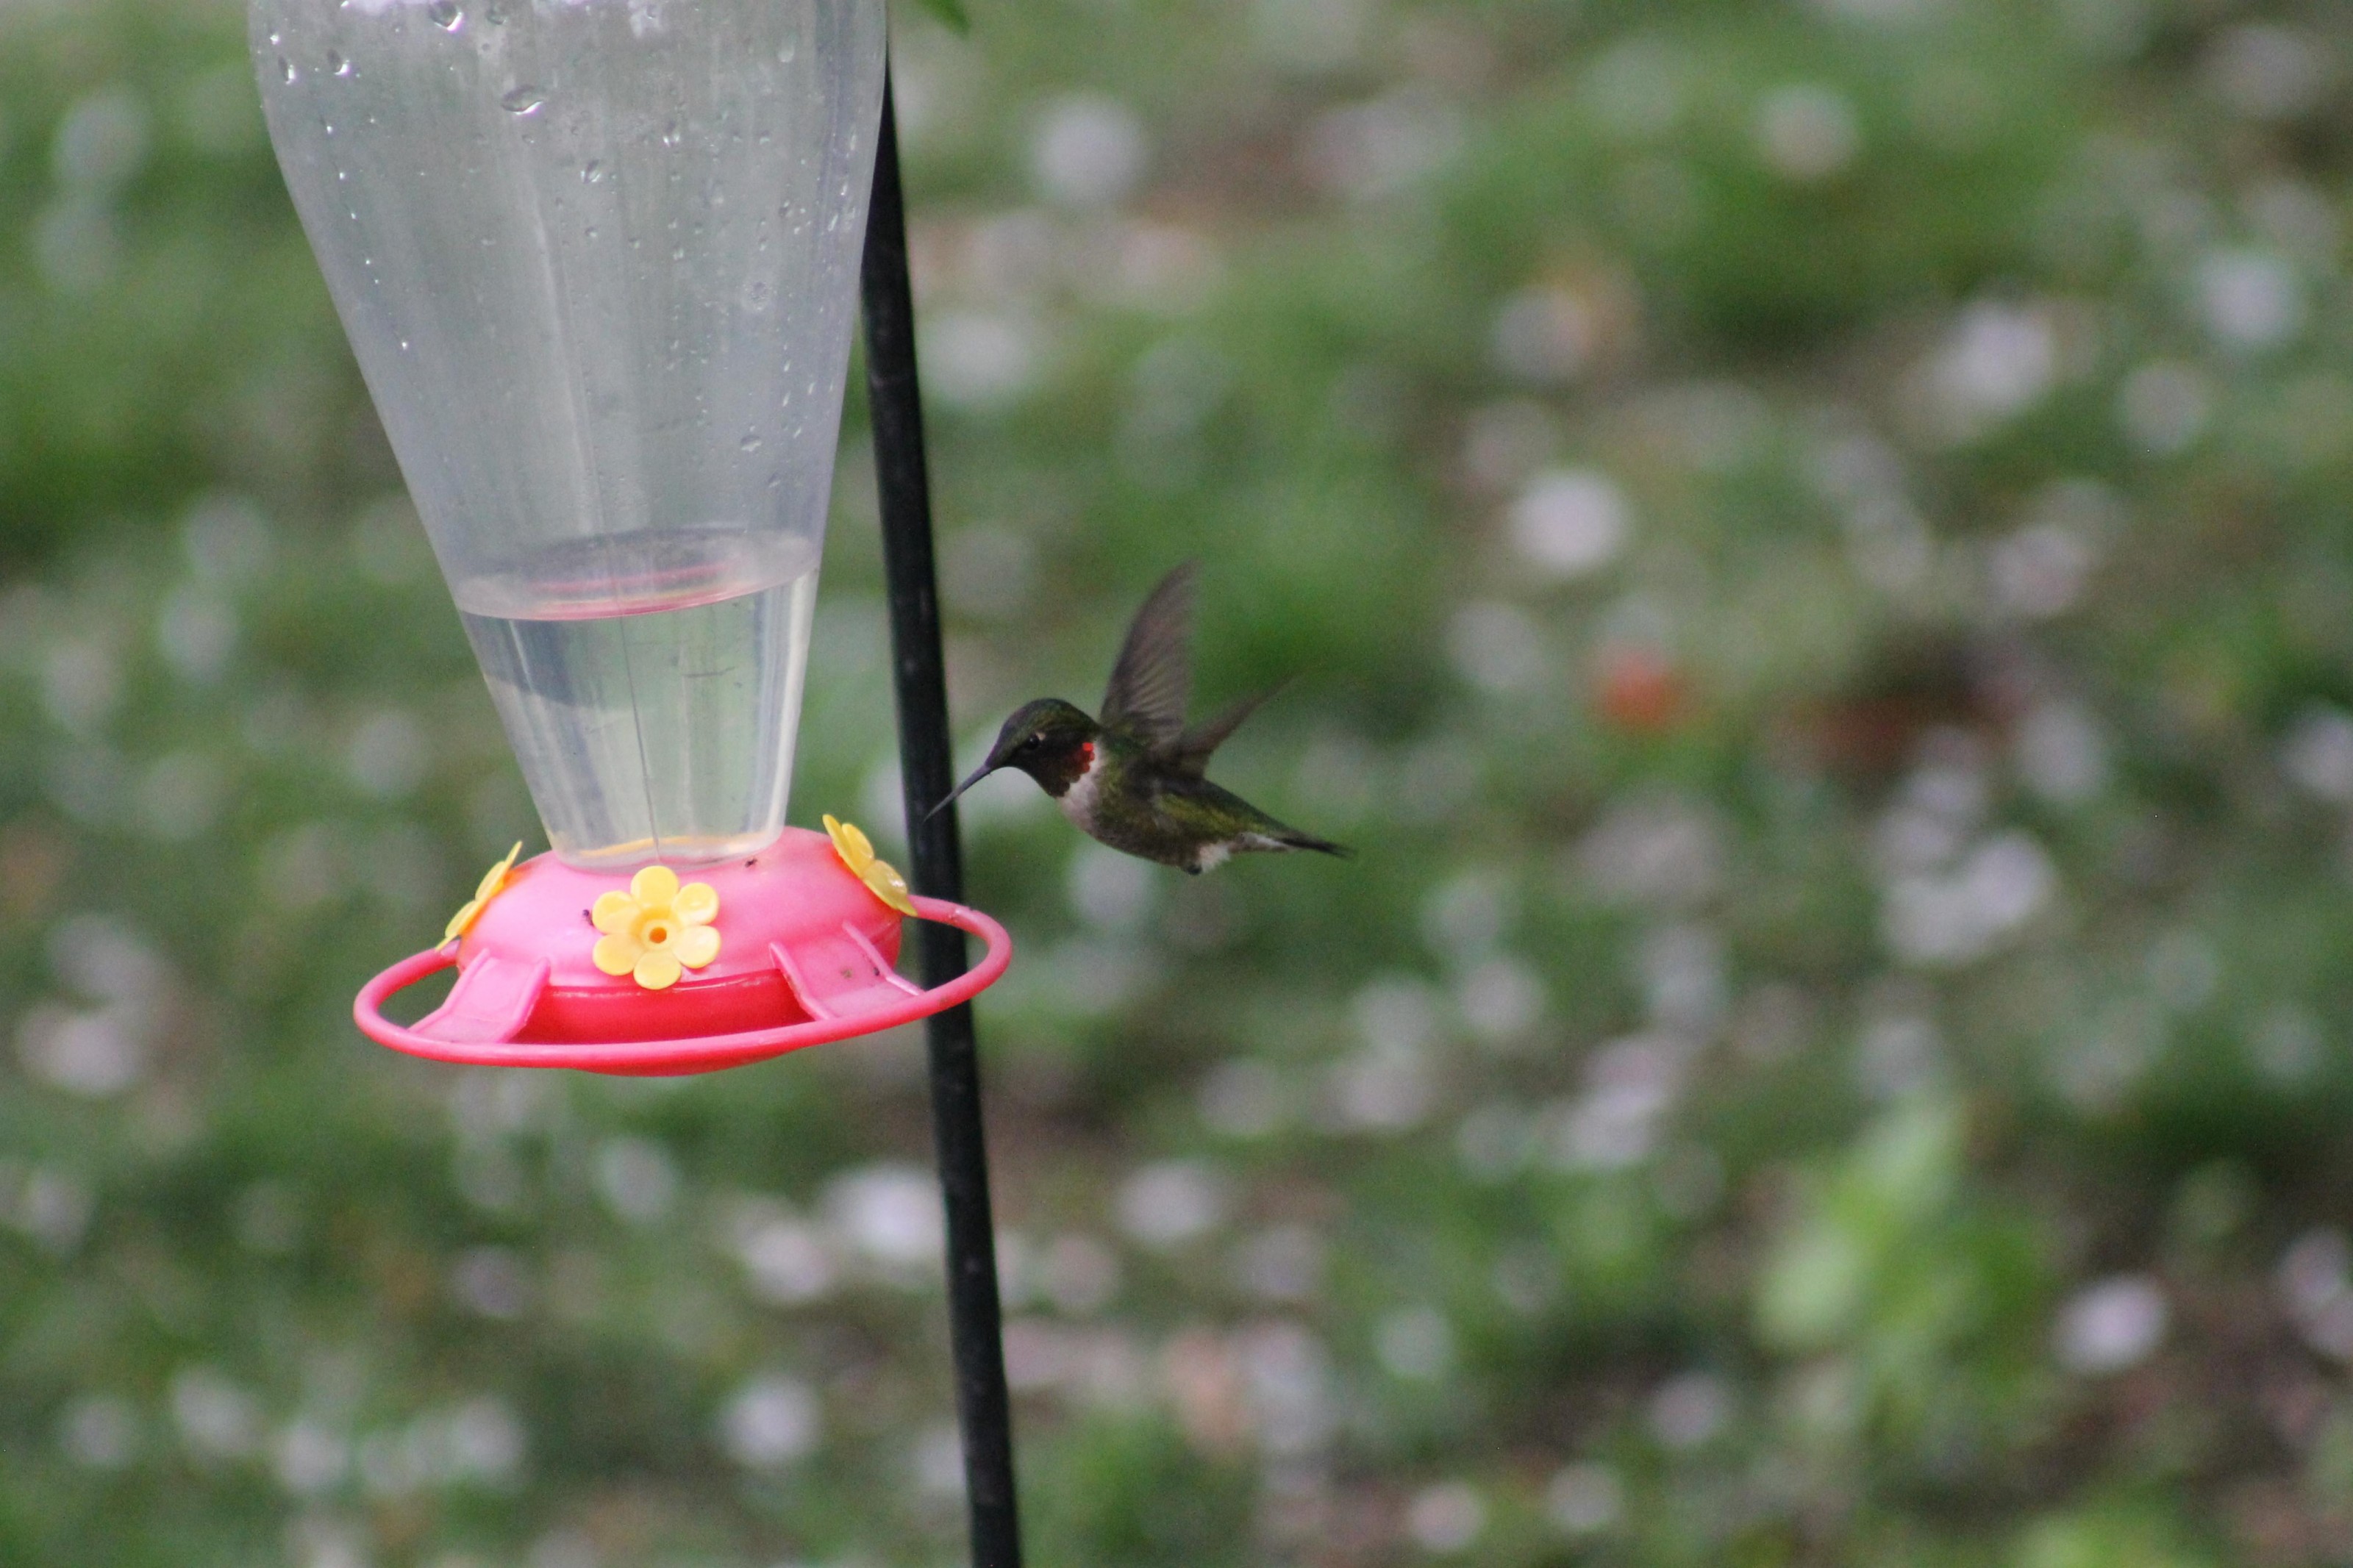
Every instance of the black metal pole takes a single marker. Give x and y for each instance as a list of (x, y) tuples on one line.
[(927, 772)]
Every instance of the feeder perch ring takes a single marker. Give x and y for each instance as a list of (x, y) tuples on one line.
[(696, 1054), (808, 955)]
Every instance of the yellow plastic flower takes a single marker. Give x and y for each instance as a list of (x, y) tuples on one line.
[(494, 881), (657, 929), (857, 852)]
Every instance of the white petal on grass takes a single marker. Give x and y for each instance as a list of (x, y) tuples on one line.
[(1996, 361), (1089, 150), (1585, 1499), (1383, 1088), (1167, 1204), (1660, 849), (53, 1207), (770, 1421), (1689, 1410), (311, 1457), (979, 361), (1568, 523), (1942, 921), (2039, 572), (95, 1053), (216, 1419), (81, 681), (891, 1212), (1807, 133), (787, 1262), (1446, 1519), (1396, 1012), (1542, 335), (1287, 1375), (638, 1180), (938, 1461), (483, 1442), (492, 1282), (2317, 754), (1501, 999), (2250, 300), (2268, 71), (2112, 1326), (99, 1431), (1382, 147), (100, 141)]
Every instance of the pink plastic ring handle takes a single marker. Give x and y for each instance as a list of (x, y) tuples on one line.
[(706, 1053)]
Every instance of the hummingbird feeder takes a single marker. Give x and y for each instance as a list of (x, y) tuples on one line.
[(600, 262)]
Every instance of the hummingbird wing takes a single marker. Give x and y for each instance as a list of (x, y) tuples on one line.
[(1153, 681), (1191, 752)]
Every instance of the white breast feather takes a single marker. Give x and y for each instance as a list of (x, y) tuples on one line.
[(1078, 802)]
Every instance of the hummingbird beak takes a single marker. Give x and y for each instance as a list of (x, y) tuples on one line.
[(978, 773)]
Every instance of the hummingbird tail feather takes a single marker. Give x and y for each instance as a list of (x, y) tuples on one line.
[(1295, 839)]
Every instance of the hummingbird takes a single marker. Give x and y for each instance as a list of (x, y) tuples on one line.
[(1135, 779)]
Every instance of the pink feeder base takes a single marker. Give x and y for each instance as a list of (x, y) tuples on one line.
[(807, 956)]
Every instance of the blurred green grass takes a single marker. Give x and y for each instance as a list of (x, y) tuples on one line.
[(1811, 539)]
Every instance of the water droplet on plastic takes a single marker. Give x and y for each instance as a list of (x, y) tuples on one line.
[(524, 99), (404, 345), (338, 64), (446, 15), (750, 443), (785, 55), (496, 16), (592, 231), (286, 68), (679, 254), (277, 38), (591, 172), (671, 134)]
